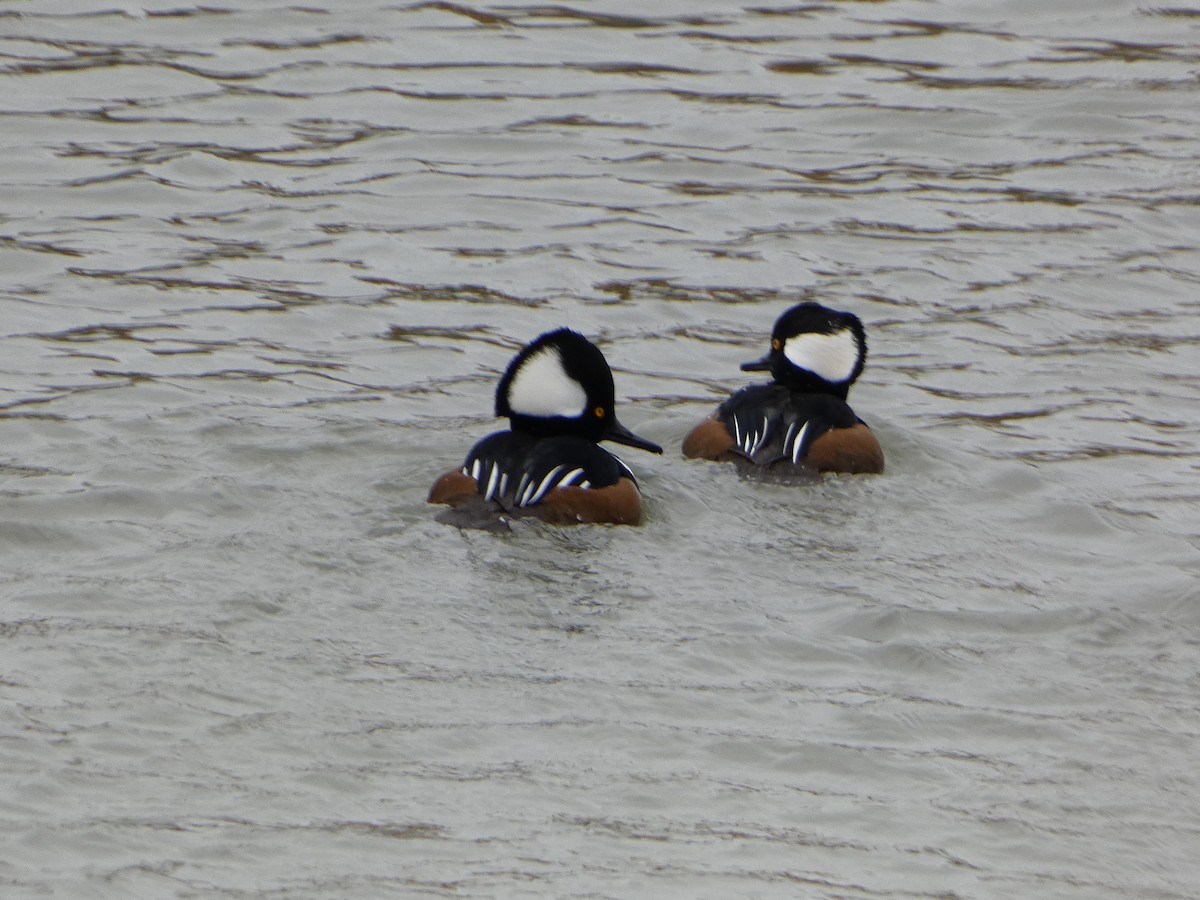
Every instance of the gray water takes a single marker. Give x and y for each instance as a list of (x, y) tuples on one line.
[(260, 266)]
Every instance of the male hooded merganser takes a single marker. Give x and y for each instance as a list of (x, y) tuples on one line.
[(558, 396), (800, 423)]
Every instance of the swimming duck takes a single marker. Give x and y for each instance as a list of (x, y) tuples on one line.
[(799, 423), (558, 396)]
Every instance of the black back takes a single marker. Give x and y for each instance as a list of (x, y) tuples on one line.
[(517, 470), (771, 423)]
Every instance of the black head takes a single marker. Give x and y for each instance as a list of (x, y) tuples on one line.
[(816, 349), (560, 383)]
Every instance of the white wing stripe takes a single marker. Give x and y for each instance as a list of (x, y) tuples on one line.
[(521, 487), (799, 442), (525, 496), (760, 437), (544, 485), (789, 437)]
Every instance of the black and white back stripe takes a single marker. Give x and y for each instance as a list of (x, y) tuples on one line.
[(751, 437), (497, 479), (793, 441), (530, 489), (518, 471)]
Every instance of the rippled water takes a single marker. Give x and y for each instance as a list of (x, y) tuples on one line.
[(259, 268)]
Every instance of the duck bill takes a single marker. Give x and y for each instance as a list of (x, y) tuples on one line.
[(759, 365), (619, 434)]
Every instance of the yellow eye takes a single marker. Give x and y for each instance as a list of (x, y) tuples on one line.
[(599, 412), (775, 345)]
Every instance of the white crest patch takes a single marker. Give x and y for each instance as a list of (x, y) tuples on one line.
[(831, 356), (542, 387)]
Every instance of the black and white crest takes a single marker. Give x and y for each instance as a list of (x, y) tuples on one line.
[(540, 386), (814, 348), (559, 383)]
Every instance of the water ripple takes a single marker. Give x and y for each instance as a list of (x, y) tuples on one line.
[(264, 268)]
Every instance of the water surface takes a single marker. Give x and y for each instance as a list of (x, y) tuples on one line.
[(261, 266)]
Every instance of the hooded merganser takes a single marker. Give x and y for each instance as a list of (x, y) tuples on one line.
[(558, 396), (800, 423)]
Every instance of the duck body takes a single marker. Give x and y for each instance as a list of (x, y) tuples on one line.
[(799, 424), (781, 432), (562, 480), (558, 395)]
